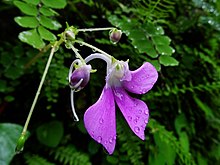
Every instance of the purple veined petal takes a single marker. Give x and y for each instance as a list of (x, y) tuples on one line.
[(100, 121), (142, 79), (134, 110)]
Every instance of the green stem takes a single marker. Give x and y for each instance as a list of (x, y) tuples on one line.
[(93, 48), (76, 52), (95, 29), (40, 85)]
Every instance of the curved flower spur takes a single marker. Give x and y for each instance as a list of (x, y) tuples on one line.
[(100, 119)]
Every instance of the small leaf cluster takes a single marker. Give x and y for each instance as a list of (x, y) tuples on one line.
[(148, 38), (39, 18)]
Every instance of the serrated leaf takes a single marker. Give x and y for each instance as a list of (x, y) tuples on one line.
[(168, 61), (57, 4), (27, 22), (9, 134), (47, 11), (50, 134), (32, 38), (34, 2), (46, 34), (28, 9), (49, 23)]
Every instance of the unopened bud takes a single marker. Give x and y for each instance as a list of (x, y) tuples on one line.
[(80, 77), (20, 143), (115, 35), (70, 35)]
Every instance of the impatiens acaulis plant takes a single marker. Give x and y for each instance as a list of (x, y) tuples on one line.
[(100, 118)]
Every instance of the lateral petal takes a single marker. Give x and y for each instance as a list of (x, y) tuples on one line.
[(134, 110), (100, 121), (142, 79)]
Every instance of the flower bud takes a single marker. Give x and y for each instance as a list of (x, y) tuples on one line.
[(115, 35), (80, 77)]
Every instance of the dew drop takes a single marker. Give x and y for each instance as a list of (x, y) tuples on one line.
[(146, 112), (101, 121), (135, 121), (99, 139), (93, 50), (106, 142), (114, 137), (111, 140), (139, 111), (129, 118), (136, 129), (145, 121)]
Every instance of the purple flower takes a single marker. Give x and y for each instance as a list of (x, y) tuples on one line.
[(100, 120)]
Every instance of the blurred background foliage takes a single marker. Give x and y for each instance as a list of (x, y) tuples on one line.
[(180, 38)]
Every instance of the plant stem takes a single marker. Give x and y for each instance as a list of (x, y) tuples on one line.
[(95, 29), (40, 85), (93, 47)]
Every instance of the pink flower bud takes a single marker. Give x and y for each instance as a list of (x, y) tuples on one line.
[(115, 35)]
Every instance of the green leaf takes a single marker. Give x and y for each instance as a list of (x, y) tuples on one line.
[(9, 98), (32, 38), (161, 40), (164, 155), (204, 107), (47, 11), (168, 61), (180, 122), (3, 85), (28, 9), (9, 134), (50, 134), (164, 49), (27, 22), (48, 23), (46, 34), (184, 141), (34, 2), (57, 4)]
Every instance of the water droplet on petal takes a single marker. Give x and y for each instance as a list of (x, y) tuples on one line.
[(146, 112), (139, 111), (114, 137), (135, 121), (106, 142), (111, 140), (99, 139), (129, 118), (101, 121), (145, 121), (136, 129)]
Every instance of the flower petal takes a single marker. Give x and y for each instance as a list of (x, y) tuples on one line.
[(142, 79), (134, 110), (100, 120)]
